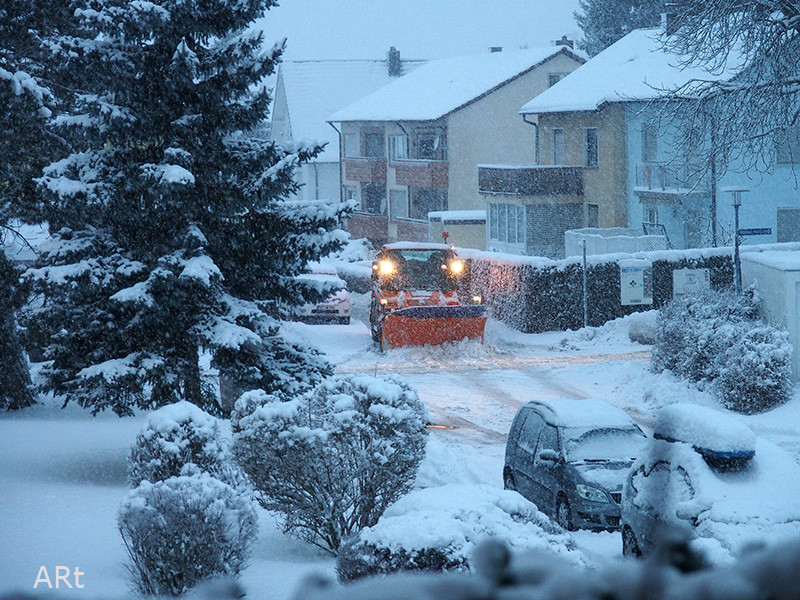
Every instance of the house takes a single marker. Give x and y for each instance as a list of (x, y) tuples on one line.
[(607, 160), (306, 92), (413, 147)]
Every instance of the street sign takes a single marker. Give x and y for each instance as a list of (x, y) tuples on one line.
[(756, 231)]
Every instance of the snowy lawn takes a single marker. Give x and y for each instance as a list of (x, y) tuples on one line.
[(63, 472)]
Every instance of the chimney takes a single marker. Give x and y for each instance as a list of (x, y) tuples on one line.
[(668, 19), (393, 62), (495, 49), (565, 41)]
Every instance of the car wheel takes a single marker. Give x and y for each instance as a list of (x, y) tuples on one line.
[(508, 480), (344, 320), (564, 514), (630, 547)]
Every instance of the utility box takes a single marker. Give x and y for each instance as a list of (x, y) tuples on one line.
[(777, 275), (636, 281), (690, 281)]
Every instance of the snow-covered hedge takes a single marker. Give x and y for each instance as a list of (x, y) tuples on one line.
[(534, 294), (332, 461), (174, 436), (716, 338), (437, 529), (184, 530)]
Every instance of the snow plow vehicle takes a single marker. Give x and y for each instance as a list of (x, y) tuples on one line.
[(416, 297)]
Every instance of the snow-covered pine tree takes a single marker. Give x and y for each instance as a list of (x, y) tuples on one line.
[(172, 235), (25, 145), (605, 21)]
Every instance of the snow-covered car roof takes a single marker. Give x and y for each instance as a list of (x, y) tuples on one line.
[(590, 412), (709, 431)]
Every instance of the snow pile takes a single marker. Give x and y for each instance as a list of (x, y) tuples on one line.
[(437, 529), (634, 327)]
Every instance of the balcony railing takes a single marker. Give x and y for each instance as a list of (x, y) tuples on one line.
[(421, 173), (369, 170), (671, 178), (530, 180)]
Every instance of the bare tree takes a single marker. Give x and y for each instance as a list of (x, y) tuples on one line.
[(746, 114)]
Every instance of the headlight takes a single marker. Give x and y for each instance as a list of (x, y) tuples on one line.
[(477, 299), (590, 493), (386, 267), (456, 266)]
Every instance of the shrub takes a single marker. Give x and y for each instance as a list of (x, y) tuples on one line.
[(174, 436), (716, 338), (332, 461), (756, 371), (183, 530), (437, 529)]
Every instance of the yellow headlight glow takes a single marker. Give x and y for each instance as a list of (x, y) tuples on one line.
[(386, 267), (456, 266)]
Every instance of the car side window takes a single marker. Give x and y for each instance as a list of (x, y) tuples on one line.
[(548, 440), (662, 487), (529, 435)]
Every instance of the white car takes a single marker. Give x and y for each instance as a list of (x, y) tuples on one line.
[(706, 477), (335, 308)]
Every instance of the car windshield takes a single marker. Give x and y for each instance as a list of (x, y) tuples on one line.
[(419, 269), (606, 445)]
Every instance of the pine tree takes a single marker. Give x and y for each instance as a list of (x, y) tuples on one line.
[(605, 21), (171, 233), (25, 144)]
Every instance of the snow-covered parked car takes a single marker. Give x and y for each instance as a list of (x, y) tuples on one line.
[(706, 477), (335, 308), (570, 458)]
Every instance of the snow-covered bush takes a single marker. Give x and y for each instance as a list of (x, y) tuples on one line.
[(716, 338), (174, 436), (332, 461), (183, 530), (755, 372), (437, 529)]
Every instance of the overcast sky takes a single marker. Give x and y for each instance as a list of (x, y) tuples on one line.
[(317, 29)]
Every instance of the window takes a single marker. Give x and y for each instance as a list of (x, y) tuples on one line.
[(789, 150), (350, 146), (373, 198), (398, 147), (554, 78), (507, 223), (548, 440), (650, 143), (590, 146), (425, 200), (373, 144), (788, 225), (350, 192), (398, 204), (430, 146), (650, 214), (558, 146)]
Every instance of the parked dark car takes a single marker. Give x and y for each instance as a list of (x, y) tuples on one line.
[(570, 458), (707, 478)]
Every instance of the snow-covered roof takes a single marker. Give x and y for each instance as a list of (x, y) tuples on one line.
[(443, 86), (588, 412), (634, 68), (457, 216), (317, 88)]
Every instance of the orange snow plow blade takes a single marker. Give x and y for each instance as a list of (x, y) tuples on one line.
[(434, 325)]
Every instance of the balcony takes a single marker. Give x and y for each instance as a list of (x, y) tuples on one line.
[(368, 170), (421, 173), (530, 180), (664, 180)]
